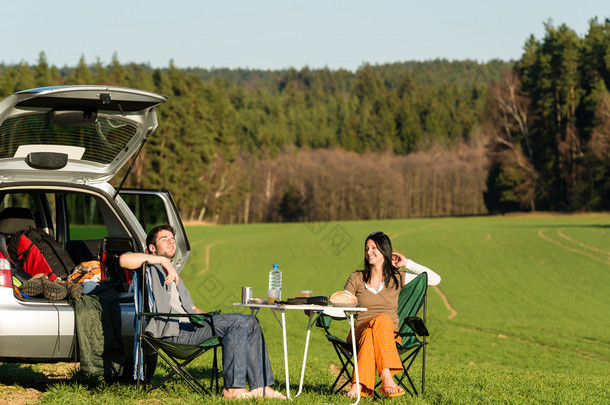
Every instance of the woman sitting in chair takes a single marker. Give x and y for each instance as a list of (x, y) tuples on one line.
[(377, 288)]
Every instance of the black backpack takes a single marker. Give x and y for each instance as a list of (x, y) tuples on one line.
[(55, 255)]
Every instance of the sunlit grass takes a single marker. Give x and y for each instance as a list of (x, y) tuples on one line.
[(530, 295)]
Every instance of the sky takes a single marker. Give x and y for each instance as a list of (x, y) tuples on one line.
[(280, 34)]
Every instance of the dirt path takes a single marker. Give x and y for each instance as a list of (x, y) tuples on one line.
[(570, 248), (208, 248), (583, 245), (452, 311), (206, 261)]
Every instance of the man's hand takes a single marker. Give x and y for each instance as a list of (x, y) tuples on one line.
[(171, 274)]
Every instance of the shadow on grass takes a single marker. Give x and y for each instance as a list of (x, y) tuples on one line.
[(203, 375), (37, 376), (42, 377)]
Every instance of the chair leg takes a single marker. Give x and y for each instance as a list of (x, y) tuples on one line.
[(405, 372), (346, 362), (348, 378), (423, 367), (178, 369), (214, 379)]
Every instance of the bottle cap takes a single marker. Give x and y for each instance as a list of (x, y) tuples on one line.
[(275, 266)]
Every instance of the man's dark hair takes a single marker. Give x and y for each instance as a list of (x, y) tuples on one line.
[(152, 235)]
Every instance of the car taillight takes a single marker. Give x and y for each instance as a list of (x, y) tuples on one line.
[(5, 277)]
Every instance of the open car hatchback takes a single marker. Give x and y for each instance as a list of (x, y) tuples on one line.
[(59, 148)]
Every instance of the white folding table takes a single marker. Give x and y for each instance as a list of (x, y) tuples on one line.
[(334, 311)]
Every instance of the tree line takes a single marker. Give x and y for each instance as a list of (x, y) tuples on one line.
[(386, 141), (550, 116)]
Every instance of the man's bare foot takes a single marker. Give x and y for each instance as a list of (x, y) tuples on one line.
[(267, 392), (237, 393)]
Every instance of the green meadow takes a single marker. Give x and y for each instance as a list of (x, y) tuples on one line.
[(521, 314), (525, 314)]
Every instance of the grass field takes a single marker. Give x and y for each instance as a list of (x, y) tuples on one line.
[(521, 314)]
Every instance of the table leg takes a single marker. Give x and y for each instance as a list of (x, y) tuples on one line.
[(351, 324), (311, 313), (285, 355), (282, 323)]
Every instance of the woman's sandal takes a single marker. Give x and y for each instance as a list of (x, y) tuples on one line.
[(363, 394), (382, 391)]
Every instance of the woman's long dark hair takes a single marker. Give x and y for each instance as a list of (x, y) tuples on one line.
[(391, 276)]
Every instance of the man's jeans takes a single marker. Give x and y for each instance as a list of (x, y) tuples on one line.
[(244, 354)]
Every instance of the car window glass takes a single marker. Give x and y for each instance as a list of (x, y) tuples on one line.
[(102, 139), (85, 219), (21, 200), (17, 200), (149, 210)]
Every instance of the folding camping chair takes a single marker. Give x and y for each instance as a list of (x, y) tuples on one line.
[(410, 300), (176, 356)]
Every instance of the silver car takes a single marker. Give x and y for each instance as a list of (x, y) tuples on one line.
[(59, 148)]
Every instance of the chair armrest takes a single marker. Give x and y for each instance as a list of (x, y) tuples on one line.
[(166, 314), (323, 321), (211, 313), (196, 319), (417, 325)]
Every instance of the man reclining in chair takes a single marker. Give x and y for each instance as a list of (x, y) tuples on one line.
[(244, 354)]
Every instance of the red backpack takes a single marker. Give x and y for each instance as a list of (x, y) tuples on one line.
[(34, 251)]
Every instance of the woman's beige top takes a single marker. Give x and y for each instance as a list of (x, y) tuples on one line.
[(384, 302)]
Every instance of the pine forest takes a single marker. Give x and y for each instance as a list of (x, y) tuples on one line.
[(408, 139)]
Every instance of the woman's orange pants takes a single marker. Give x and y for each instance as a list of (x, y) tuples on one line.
[(376, 349)]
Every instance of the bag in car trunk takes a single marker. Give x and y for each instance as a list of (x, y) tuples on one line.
[(33, 251)]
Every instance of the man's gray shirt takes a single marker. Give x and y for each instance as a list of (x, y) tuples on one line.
[(161, 326)]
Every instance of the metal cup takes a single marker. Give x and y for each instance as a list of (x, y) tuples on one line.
[(246, 294)]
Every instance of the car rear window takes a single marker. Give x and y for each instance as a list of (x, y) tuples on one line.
[(102, 140)]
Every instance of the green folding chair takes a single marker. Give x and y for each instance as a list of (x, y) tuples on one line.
[(176, 356), (411, 298)]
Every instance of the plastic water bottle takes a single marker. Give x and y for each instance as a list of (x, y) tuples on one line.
[(275, 280)]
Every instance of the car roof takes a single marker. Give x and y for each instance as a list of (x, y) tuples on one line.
[(80, 133)]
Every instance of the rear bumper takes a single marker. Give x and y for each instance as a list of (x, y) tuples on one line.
[(44, 331)]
